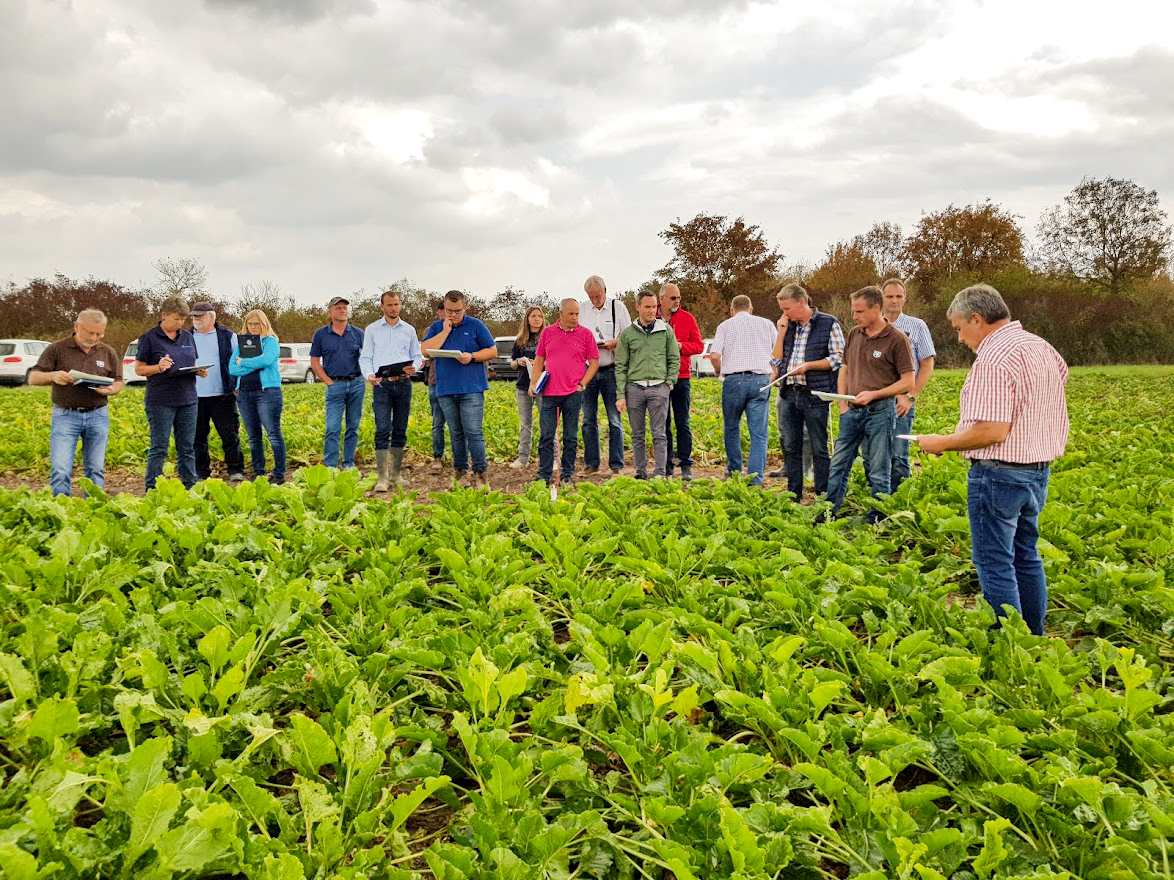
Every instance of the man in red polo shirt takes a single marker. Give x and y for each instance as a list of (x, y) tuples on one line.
[(568, 354), (690, 342), (1013, 423)]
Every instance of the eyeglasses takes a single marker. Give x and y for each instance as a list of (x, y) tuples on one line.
[(454, 311), (674, 299)]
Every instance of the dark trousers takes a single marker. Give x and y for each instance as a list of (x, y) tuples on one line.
[(218, 410), (603, 384), (392, 404), (799, 411), (568, 405), (680, 399)]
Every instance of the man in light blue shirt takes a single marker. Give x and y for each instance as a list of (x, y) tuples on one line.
[(924, 354), (387, 342), (217, 400)]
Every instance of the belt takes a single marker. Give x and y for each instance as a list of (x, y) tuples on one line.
[(608, 367), (81, 409), (648, 383), (395, 378), (884, 401), (347, 378), (1010, 465), (745, 373)]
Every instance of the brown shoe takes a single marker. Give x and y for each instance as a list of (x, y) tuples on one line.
[(437, 465), (481, 480)]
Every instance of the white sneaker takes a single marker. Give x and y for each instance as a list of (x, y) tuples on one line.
[(517, 464)]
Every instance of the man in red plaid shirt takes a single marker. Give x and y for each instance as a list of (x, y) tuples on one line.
[(1013, 423)]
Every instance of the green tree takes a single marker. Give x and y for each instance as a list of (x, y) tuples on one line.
[(1111, 233), (973, 241)]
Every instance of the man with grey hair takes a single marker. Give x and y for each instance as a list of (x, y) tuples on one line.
[(924, 354), (217, 394), (809, 350), (80, 410), (1012, 424), (605, 317)]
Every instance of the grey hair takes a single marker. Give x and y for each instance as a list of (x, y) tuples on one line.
[(593, 281), (175, 305), (96, 315), (741, 303), (979, 299), (664, 287), (795, 292)]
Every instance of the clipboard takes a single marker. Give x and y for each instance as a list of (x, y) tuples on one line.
[(183, 371), (392, 371)]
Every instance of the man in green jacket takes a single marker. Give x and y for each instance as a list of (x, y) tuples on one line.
[(648, 359)]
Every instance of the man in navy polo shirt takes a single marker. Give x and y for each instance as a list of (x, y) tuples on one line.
[(334, 358), (461, 383)]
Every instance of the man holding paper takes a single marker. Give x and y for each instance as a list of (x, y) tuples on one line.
[(808, 352), (878, 365), (217, 394), (1013, 423), (459, 346), (79, 406), (566, 360), (390, 355)]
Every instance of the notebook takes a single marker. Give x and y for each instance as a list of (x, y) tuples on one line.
[(249, 345)]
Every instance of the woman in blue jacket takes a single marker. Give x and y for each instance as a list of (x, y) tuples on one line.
[(259, 395)]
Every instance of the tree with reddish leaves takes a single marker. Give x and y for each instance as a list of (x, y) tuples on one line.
[(716, 259), (973, 241), (1110, 233)]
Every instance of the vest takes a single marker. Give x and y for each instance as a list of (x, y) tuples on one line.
[(224, 342), (817, 349)]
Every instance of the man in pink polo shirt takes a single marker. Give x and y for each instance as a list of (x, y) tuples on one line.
[(568, 356)]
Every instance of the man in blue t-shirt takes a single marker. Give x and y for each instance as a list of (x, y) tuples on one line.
[(465, 345), (334, 358)]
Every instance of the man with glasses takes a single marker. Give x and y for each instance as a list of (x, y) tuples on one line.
[(461, 382), (690, 343), (606, 317), (334, 358)]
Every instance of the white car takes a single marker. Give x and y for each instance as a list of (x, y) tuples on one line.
[(701, 365), (17, 358), (293, 362), (129, 376)]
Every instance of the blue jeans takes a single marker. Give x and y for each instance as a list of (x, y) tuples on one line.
[(679, 403), (69, 426), (603, 384), (465, 416), (552, 405), (163, 420), (799, 411), (900, 468), (1004, 506), (343, 397), (744, 394), (262, 409), (867, 429), (437, 423), (392, 404)]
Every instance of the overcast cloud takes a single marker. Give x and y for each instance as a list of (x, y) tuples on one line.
[(332, 145)]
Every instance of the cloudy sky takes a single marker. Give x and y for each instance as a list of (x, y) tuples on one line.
[(333, 145)]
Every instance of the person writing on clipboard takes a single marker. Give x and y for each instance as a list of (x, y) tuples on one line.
[(460, 346), (167, 358), (389, 357)]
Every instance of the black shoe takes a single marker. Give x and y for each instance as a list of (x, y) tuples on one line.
[(687, 474)]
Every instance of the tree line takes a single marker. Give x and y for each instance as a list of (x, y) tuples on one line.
[(1094, 280)]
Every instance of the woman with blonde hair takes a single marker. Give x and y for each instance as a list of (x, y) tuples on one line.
[(260, 398), (522, 356)]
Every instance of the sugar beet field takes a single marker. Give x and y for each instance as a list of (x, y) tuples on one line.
[(637, 680)]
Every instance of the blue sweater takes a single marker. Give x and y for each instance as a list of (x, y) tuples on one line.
[(265, 362)]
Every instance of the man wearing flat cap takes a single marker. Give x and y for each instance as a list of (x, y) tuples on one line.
[(216, 392), (334, 358)]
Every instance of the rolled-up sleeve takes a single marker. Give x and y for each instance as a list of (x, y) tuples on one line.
[(836, 346)]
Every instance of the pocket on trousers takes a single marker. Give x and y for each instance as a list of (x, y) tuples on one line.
[(1009, 497)]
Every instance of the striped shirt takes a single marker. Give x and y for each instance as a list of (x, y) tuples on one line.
[(835, 353), (1018, 378), (745, 343), (918, 332)]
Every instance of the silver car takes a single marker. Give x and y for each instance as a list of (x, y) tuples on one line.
[(129, 376), (17, 359), (699, 364), (293, 362)]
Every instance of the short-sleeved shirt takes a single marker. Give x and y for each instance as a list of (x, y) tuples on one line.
[(453, 377), (566, 353), (919, 337), (171, 387), (339, 353), (1017, 378), (875, 362), (66, 354)]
